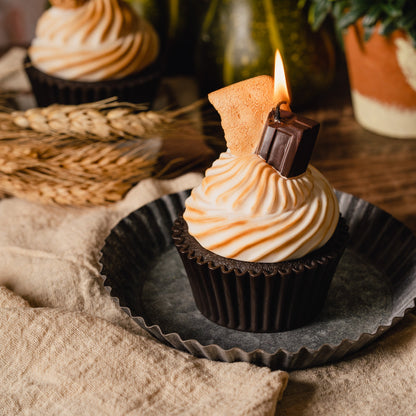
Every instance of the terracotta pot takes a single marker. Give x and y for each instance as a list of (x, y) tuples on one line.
[(382, 74)]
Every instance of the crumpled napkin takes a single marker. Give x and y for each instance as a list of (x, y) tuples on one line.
[(379, 380), (58, 362), (73, 351)]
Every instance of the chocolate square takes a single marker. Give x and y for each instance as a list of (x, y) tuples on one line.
[(287, 142)]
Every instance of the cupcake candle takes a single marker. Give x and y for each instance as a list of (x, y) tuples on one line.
[(261, 237)]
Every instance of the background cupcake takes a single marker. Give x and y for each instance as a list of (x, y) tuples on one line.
[(87, 50)]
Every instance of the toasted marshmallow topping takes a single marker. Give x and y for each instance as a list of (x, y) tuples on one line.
[(102, 39), (245, 210)]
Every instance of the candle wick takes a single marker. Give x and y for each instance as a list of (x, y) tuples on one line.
[(277, 110)]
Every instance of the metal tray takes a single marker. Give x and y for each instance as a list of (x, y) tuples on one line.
[(373, 288)]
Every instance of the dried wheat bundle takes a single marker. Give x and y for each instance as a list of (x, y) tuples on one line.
[(90, 154), (85, 178)]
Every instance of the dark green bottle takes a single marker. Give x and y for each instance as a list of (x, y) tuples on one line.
[(238, 40), (178, 23)]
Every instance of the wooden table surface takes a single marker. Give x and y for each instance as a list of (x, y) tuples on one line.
[(379, 169)]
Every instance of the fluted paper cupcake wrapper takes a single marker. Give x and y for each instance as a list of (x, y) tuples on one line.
[(380, 262), (137, 88), (259, 301)]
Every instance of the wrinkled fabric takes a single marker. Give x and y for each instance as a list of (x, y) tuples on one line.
[(67, 349), (380, 380)]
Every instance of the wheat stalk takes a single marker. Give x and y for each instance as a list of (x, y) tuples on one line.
[(105, 119), (90, 154)]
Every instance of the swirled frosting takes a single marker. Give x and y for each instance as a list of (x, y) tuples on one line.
[(245, 210), (103, 39)]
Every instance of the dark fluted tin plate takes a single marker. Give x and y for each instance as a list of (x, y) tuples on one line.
[(373, 288)]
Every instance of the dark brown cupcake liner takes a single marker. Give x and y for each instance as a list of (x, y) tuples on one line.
[(259, 297), (137, 88)]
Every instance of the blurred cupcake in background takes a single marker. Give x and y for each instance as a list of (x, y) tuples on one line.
[(88, 50)]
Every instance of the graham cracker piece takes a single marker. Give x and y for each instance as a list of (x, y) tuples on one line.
[(244, 107)]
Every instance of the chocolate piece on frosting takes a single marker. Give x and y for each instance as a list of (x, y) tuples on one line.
[(287, 142)]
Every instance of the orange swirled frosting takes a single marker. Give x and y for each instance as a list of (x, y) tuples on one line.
[(245, 210), (102, 39)]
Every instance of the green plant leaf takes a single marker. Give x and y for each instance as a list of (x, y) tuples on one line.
[(361, 4), (393, 14), (368, 32), (339, 8), (371, 17), (350, 17), (408, 20), (321, 10), (387, 26), (391, 10)]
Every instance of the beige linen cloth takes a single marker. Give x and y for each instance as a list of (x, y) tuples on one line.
[(71, 351), (67, 349)]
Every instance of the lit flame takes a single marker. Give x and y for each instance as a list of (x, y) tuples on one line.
[(281, 92)]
